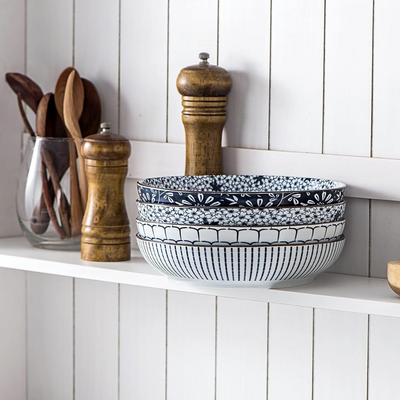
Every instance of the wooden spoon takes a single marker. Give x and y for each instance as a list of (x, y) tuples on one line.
[(89, 121), (45, 125), (59, 90), (27, 91), (73, 107)]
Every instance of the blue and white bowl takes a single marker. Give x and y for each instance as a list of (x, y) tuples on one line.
[(242, 266), (239, 235), (240, 216), (240, 191)]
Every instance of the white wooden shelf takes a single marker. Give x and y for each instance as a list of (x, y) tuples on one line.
[(329, 291)]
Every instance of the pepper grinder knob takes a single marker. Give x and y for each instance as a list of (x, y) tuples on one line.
[(105, 225), (204, 89)]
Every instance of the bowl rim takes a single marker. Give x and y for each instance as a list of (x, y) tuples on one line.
[(245, 227), (145, 203), (338, 184), (337, 240)]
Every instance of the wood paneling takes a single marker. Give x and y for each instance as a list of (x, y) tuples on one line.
[(12, 335), (348, 77), (241, 350), (49, 40), (385, 236), (97, 51), (190, 346), (290, 352), (384, 356), (297, 75), (142, 343), (192, 30), (340, 355), (50, 337), (96, 340), (386, 122), (144, 60), (244, 39)]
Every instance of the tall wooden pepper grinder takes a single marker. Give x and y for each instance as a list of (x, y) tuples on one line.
[(204, 89), (105, 225)]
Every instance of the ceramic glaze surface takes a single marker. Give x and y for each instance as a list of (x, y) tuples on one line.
[(240, 190), (239, 235), (268, 266), (244, 216)]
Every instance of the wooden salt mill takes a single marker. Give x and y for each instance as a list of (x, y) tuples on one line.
[(204, 89), (105, 225)]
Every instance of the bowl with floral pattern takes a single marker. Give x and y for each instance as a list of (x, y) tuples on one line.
[(239, 216), (270, 266), (240, 191), (239, 235)]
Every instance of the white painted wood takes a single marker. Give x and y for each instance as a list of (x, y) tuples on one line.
[(192, 30), (49, 40), (330, 291), (354, 259), (365, 177), (12, 335), (241, 349), (386, 122), (96, 340), (12, 59), (142, 343), (297, 75), (143, 101), (97, 51), (244, 39), (384, 356), (340, 355), (385, 236), (290, 349), (50, 337), (131, 196), (190, 346), (348, 77)]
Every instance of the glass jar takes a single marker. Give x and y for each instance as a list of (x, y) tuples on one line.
[(49, 205)]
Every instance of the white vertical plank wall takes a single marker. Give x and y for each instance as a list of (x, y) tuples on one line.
[(384, 356), (348, 77), (297, 46), (386, 143), (241, 350), (144, 62), (142, 343), (96, 340), (50, 337), (12, 59), (12, 335), (340, 355), (192, 29), (290, 350), (96, 51), (49, 40), (244, 39), (190, 346)]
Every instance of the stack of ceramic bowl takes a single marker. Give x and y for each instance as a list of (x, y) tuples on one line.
[(241, 230)]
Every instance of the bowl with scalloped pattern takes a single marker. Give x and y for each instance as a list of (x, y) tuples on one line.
[(270, 266), (239, 235), (265, 191)]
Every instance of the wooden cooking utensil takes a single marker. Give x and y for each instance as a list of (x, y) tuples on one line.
[(73, 107), (46, 118), (59, 90), (89, 122), (27, 91)]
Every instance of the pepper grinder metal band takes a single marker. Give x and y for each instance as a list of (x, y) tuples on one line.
[(105, 225), (204, 89)]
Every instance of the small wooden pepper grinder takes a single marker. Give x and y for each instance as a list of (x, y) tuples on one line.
[(204, 89), (105, 225)]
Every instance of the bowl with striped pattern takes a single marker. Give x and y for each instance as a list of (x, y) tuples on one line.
[(269, 266)]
